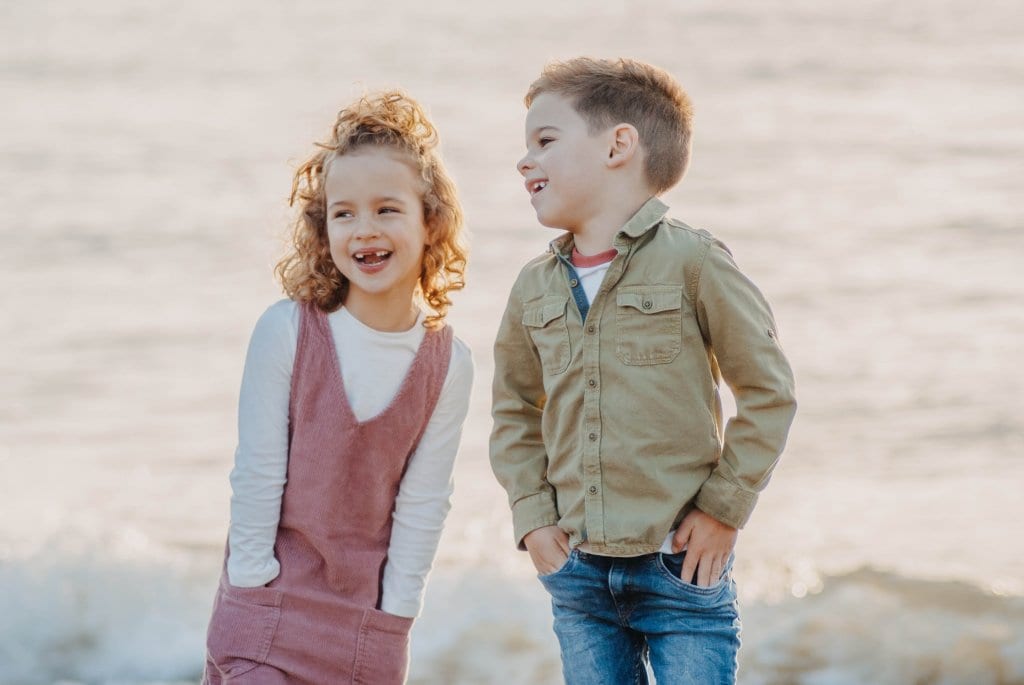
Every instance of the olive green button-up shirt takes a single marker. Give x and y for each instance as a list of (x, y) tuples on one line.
[(611, 426)]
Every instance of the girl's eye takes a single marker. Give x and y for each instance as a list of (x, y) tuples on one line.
[(544, 141), (387, 210), (343, 214)]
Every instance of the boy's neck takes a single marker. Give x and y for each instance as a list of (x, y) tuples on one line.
[(598, 234)]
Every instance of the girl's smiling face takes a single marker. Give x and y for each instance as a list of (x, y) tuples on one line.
[(377, 233)]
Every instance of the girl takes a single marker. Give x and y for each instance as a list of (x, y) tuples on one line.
[(351, 409)]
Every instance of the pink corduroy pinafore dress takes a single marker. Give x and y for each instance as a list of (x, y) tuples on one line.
[(319, 621)]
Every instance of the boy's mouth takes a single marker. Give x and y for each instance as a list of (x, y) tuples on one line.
[(536, 185), (372, 257)]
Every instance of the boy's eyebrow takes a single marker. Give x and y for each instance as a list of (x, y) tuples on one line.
[(545, 127)]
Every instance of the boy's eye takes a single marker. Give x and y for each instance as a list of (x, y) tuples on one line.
[(544, 141)]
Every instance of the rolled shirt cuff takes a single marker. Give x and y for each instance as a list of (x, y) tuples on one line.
[(531, 513), (725, 501)]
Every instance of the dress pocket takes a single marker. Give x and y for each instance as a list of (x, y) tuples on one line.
[(648, 324), (242, 627), (545, 321), (382, 651)]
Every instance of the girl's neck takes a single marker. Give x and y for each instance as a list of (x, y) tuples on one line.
[(381, 317)]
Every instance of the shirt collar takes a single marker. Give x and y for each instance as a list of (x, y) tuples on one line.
[(645, 218)]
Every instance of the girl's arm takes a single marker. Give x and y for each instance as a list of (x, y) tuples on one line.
[(261, 459), (425, 492)]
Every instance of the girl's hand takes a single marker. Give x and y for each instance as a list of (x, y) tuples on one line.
[(708, 544), (548, 548)]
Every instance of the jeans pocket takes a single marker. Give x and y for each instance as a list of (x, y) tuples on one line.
[(671, 566), (569, 560), (242, 627), (382, 650)]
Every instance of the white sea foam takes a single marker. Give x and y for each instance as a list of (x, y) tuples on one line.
[(95, 618)]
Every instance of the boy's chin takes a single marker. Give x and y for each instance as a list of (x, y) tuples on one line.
[(552, 222)]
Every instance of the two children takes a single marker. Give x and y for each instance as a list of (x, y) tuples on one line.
[(608, 436)]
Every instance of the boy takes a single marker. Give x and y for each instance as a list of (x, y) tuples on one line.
[(608, 438)]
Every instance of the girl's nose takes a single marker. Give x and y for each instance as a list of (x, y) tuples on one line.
[(366, 229)]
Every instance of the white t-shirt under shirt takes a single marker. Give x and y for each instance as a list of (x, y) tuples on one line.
[(373, 365)]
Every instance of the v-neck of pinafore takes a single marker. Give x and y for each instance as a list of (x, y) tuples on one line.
[(346, 405)]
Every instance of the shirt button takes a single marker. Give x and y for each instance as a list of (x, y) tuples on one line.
[(573, 283), (593, 437), (590, 328), (648, 304), (592, 383), (592, 489)]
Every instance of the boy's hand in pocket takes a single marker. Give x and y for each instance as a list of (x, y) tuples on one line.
[(548, 548), (708, 543)]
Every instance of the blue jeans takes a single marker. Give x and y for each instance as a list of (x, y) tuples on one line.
[(612, 615)]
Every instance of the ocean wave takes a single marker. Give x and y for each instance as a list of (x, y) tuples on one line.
[(88, 618), (93, 619)]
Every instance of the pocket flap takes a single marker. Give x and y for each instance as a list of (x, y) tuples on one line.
[(542, 312), (649, 300)]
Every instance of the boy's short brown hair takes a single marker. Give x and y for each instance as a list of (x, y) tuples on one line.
[(608, 92)]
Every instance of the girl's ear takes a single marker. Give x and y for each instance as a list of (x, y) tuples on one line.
[(434, 222), (624, 144), (431, 226)]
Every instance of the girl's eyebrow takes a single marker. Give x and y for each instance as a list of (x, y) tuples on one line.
[(386, 198), (393, 200)]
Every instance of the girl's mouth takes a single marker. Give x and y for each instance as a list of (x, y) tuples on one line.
[(372, 257)]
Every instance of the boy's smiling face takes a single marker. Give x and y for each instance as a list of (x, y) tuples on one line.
[(564, 165)]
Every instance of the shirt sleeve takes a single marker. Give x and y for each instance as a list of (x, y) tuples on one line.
[(424, 495), (518, 456), (261, 458), (737, 321)]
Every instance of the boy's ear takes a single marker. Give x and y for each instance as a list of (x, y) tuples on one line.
[(624, 144)]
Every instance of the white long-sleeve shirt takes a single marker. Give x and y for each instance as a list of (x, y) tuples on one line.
[(373, 366)]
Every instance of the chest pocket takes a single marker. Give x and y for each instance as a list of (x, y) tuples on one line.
[(648, 324), (545, 321)]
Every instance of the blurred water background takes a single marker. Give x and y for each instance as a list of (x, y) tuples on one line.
[(863, 160)]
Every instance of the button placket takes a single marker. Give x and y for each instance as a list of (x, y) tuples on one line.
[(593, 504)]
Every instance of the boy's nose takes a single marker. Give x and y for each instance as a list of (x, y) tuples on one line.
[(524, 165)]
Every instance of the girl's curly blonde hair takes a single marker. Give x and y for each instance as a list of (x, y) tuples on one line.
[(395, 120)]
